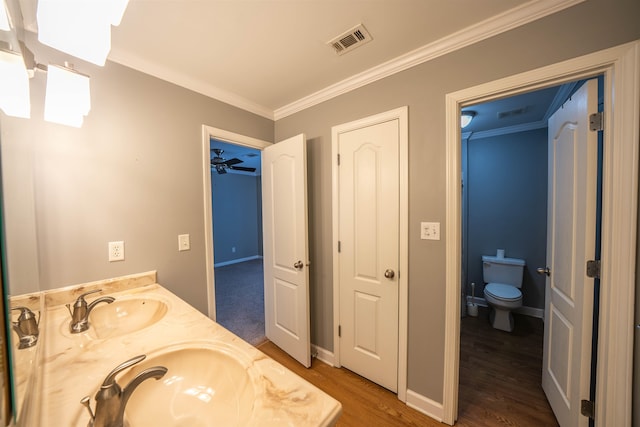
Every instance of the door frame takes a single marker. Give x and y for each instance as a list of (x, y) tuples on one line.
[(621, 69), (209, 132), (402, 115)]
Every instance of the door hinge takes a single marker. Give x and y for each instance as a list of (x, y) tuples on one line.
[(596, 121), (339, 331), (339, 246), (593, 269), (338, 159), (587, 408)]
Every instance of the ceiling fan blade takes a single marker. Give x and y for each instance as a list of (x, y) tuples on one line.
[(232, 162), (242, 168)]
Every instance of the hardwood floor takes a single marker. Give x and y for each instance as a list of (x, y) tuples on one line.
[(499, 382)]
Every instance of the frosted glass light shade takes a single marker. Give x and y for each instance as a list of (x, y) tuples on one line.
[(466, 117), (14, 85), (5, 22), (81, 28), (67, 99)]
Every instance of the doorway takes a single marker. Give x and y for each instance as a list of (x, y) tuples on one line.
[(619, 66), (226, 257), (505, 168), (237, 229)]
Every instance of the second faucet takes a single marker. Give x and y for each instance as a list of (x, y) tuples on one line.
[(80, 315)]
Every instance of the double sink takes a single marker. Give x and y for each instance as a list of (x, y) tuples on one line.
[(213, 378)]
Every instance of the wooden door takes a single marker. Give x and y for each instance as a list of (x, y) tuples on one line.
[(570, 243), (369, 251), (286, 254)]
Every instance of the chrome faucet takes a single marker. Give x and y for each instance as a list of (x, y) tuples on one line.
[(80, 316), (26, 327), (111, 399)]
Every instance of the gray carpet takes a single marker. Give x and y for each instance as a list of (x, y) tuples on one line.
[(240, 299)]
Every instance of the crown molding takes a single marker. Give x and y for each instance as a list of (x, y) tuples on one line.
[(524, 14), (188, 82), (513, 18)]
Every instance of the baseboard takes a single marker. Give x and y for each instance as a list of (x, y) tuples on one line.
[(425, 405), (237, 261), (527, 311), (323, 355)]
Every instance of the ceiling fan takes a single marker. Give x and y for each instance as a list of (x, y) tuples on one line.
[(221, 165)]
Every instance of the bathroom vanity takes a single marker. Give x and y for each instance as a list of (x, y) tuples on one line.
[(213, 378)]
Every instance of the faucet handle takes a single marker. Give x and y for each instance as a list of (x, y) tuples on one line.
[(111, 378), (81, 297)]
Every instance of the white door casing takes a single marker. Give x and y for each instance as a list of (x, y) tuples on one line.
[(286, 253), (571, 235), (620, 66)]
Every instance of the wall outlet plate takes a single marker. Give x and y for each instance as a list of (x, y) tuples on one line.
[(116, 251), (430, 230)]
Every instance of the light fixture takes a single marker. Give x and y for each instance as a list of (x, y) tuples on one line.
[(67, 98), (5, 21), (14, 85), (466, 117), (81, 28)]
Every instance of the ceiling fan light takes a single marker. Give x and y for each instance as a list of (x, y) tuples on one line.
[(14, 85), (466, 117), (67, 98)]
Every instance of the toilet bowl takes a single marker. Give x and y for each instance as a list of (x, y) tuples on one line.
[(502, 299), (503, 278)]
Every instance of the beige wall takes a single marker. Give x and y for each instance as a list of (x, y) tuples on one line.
[(585, 28), (132, 172)]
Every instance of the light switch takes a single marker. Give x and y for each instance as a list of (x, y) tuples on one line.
[(183, 242), (430, 230)]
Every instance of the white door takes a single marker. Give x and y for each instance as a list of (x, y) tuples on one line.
[(369, 251), (285, 240), (570, 244)]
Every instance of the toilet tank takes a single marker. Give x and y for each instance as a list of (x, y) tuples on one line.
[(508, 271)]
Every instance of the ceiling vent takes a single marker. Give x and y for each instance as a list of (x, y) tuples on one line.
[(349, 40), (512, 113)]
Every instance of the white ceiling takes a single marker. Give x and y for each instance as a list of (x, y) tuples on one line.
[(270, 56)]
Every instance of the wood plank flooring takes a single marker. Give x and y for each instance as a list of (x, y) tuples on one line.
[(499, 382)]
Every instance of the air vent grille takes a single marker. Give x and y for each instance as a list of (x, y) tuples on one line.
[(512, 113), (349, 40)]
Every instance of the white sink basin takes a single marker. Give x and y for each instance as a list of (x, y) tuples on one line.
[(205, 385), (124, 316)]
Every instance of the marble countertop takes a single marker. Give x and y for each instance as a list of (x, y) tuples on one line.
[(74, 365)]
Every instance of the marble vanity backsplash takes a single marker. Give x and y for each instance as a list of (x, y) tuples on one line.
[(62, 368)]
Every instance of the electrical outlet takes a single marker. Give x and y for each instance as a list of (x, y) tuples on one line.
[(184, 243), (116, 251), (430, 230)]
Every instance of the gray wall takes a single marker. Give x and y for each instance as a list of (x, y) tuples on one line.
[(587, 27), (237, 219), (132, 172), (507, 184)]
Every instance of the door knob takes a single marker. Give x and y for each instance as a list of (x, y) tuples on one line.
[(389, 273), (298, 265), (544, 270)]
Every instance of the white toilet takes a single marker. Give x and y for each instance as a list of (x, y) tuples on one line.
[(503, 280)]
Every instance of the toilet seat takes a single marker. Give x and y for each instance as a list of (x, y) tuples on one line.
[(503, 292)]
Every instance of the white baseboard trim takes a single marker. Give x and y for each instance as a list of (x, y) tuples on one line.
[(237, 261), (527, 311), (323, 355), (425, 405)]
